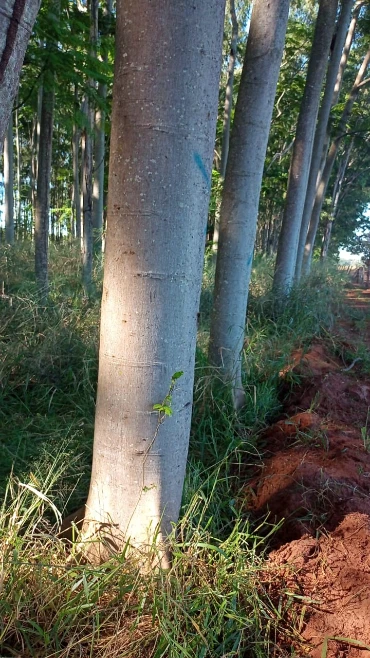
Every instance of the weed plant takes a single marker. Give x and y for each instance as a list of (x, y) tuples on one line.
[(212, 601)]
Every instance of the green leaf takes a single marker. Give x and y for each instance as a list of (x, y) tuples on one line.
[(177, 375)]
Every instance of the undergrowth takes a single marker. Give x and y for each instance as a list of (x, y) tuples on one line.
[(211, 602)]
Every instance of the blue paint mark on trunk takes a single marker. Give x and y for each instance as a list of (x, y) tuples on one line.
[(200, 164)]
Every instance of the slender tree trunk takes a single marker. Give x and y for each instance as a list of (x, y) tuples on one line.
[(43, 185), (87, 194), (227, 114), (99, 155), (154, 257), (321, 189), (16, 21), (302, 149), (18, 218), (239, 208), (35, 151), (81, 174), (322, 126), (87, 187), (44, 172), (346, 50), (8, 184), (335, 200)]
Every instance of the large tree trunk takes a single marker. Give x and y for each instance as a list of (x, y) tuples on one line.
[(16, 21), (302, 149), (324, 181), (239, 208), (322, 126), (8, 184), (228, 106), (163, 129)]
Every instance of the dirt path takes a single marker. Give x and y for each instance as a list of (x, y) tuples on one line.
[(316, 476)]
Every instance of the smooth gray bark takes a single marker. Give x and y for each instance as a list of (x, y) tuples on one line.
[(324, 181), (16, 22), (239, 208), (322, 125), (165, 97), (302, 149), (9, 184)]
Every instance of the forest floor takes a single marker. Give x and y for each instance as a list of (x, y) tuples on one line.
[(316, 476)]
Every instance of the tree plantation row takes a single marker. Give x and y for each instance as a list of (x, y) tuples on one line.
[(255, 120)]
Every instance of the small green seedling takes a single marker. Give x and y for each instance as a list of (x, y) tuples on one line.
[(165, 409)]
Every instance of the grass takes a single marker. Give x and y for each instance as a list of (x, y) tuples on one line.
[(212, 602)]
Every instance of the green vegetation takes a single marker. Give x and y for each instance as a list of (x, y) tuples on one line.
[(212, 602)]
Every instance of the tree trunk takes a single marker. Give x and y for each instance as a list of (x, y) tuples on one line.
[(43, 185), (322, 126), (229, 90), (18, 218), (87, 238), (302, 149), (159, 186), (8, 184), (87, 186), (227, 115), (44, 172), (322, 187), (99, 155), (239, 208), (335, 200), (17, 19), (35, 151)]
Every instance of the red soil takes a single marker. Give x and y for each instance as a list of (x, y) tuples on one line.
[(316, 476)]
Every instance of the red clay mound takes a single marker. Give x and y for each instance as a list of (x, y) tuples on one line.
[(333, 574), (316, 476)]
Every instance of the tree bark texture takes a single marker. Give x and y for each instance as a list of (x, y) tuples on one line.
[(302, 149), (9, 184), (323, 184), (322, 125), (16, 22), (239, 208), (165, 97)]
